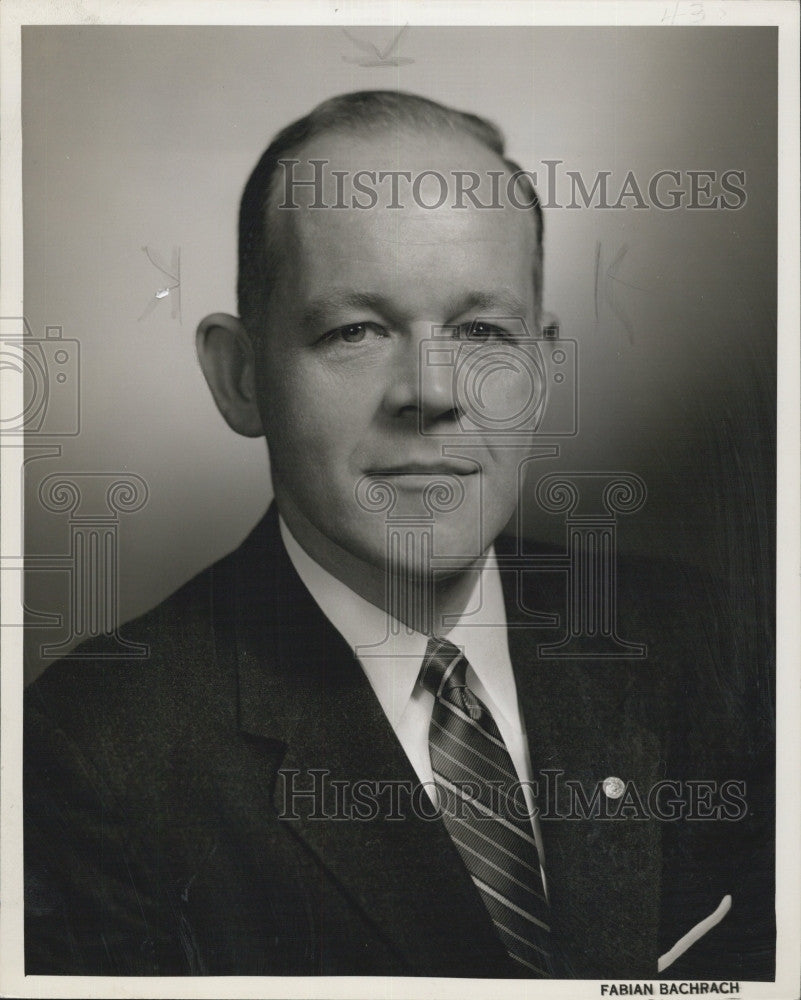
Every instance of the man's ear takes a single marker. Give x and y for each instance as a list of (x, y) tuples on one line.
[(228, 362)]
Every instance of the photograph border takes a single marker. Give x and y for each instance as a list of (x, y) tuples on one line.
[(14, 14)]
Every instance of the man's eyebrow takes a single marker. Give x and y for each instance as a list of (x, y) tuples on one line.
[(345, 298), (501, 302), (495, 303)]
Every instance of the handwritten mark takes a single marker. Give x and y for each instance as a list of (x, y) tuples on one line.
[(692, 12), (171, 291), (378, 57), (605, 287), (670, 16), (597, 276)]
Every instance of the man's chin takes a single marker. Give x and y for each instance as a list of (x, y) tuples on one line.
[(423, 551)]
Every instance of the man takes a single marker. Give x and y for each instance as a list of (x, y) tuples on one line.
[(344, 753)]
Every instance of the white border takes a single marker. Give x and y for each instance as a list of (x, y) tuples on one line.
[(14, 14)]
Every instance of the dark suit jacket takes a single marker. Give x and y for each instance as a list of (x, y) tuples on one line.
[(155, 843)]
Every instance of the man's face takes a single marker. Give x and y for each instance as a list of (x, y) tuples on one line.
[(356, 408)]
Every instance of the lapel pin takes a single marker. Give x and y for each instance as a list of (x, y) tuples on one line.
[(613, 787)]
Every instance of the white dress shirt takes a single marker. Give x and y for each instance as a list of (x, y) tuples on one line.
[(391, 656)]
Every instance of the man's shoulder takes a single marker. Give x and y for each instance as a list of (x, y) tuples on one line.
[(638, 577), (158, 663), (706, 654), (144, 642), (657, 603)]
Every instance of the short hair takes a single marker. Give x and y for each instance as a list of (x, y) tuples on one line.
[(359, 112)]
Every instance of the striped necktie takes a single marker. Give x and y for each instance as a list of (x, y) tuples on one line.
[(472, 770)]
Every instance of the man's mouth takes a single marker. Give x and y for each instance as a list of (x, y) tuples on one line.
[(453, 467)]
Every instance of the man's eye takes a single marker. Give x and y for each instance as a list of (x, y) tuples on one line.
[(479, 330), (355, 333)]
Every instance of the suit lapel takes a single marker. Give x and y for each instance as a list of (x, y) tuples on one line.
[(585, 722), (301, 686)]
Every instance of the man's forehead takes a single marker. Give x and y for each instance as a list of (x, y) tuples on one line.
[(401, 188), (385, 147), (397, 169)]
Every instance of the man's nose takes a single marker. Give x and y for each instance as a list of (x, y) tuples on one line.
[(421, 384)]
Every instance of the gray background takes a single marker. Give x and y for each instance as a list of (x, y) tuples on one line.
[(137, 136)]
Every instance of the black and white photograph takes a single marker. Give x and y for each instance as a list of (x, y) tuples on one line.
[(400, 500)]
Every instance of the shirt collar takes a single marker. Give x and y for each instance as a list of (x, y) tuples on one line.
[(391, 653)]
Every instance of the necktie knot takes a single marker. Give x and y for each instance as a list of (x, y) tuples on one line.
[(444, 667), (444, 674)]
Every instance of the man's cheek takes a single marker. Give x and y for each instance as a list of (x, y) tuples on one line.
[(300, 414)]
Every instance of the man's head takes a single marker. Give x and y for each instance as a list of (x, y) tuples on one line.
[(363, 113), (340, 357)]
